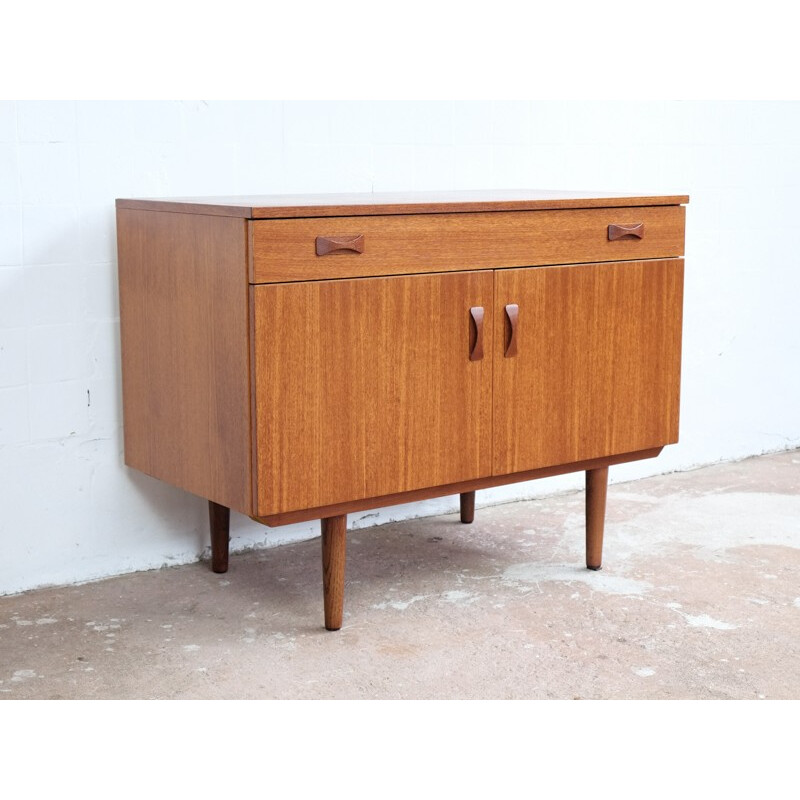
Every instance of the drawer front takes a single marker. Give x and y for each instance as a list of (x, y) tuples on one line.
[(350, 247)]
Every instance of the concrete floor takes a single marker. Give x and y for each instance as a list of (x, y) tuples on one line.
[(699, 598)]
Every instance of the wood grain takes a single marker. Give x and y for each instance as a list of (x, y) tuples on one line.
[(598, 364), (454, 488), (285, 250), (288, 389), (185, 361), (368, 203), (366, 388)]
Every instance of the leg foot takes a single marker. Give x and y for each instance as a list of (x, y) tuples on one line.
[(596, 488), (467, 506), (334, 532), (219, 518)]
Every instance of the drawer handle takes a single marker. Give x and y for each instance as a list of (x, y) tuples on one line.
[(476, 353), (633, 229), (340, 244), (512, 313)]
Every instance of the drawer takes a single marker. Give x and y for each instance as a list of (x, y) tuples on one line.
[(316, 248)]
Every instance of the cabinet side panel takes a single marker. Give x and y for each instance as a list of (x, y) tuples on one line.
[(597, 372), (185, 358)]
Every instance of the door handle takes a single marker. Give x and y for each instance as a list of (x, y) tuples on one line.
[(512, 315), (476, 352)]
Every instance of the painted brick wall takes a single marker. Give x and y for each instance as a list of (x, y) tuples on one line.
[(72, 512)]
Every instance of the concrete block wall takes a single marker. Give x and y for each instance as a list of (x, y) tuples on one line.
[(72, 512)]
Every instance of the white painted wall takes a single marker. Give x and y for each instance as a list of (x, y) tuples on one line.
[(71, 511)]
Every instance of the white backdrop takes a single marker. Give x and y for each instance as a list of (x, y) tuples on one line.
[(72, 512)]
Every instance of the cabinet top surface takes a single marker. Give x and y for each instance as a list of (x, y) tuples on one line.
[(278, 206)]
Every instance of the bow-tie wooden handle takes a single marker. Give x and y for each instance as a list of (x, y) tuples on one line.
[(338, 244), (633, 229)]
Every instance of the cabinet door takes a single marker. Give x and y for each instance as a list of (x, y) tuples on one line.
[(597, 364), (365, 387)]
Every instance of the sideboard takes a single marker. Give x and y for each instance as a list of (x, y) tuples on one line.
[(305, 357)]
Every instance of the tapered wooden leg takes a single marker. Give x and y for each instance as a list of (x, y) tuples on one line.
[(596, 489), (334, 538), (467, 506), (219, 518)]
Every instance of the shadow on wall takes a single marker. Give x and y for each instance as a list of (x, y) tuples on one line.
[(168, 514), (159, 513)]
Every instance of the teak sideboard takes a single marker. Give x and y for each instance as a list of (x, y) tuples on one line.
[(305, 357)]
